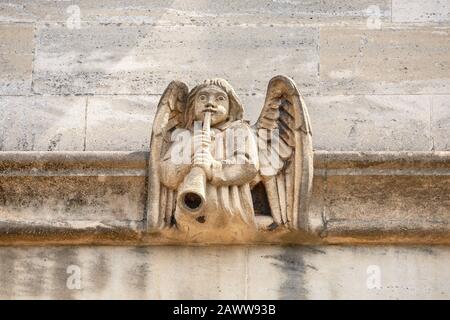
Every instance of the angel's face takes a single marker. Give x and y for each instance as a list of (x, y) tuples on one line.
[(212, 99)]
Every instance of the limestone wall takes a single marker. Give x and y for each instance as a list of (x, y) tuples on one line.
[(86, 75), (375, 73), (225, 272)]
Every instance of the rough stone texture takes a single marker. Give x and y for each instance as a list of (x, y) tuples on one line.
[(114, 123), (352, 129), (393, 60), (121, 123), (42, 123), (437, 11), (59, 200), (195, 12), (346, 273), (367, 87), (226, 272), (371, 122), (360, 122), (124, 273), (440, 121), (138, 48), (111, 59), (375, 197), (16, 58), (409, 203), (409, 196), (317, 205)]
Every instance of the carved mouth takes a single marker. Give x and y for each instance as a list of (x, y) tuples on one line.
[(210, 110)]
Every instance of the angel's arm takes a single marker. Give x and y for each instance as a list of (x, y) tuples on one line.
[(176, 163), (241, 166)]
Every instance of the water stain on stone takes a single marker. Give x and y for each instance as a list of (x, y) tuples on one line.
[(54, 141), (292, 264), (2, 142), (140, 271), (7, 273), (32, 273), (62, 258), (426, 250), (99, 272)]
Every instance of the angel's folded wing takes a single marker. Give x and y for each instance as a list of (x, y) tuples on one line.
[(285, 152), (169, 116)]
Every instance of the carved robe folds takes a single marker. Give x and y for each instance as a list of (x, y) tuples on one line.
[(228, 189)]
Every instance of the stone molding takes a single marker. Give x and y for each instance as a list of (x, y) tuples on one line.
[(99, 198)]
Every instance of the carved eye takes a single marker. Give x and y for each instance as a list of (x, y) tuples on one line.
[(202, 97), (221, 98)]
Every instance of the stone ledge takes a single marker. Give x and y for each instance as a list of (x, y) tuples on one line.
[(405, 163), (74, 163), (99, 198)]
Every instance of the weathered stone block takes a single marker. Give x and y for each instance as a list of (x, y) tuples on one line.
[(371, 122), (15, 73), (440, 121), (225, 12), (421, 11), (39, 123), (15, 11), (113, 59), (378, 196), (218, 272), (410, 204), (397, 61), (124, 272), (120, 123), (264, 272), (348, 273), (16, 59), (16, 38), (61, 201)]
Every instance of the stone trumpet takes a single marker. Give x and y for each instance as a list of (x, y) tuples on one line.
[(192, 194)]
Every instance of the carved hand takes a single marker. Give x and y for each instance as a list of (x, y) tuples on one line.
[(204, 160), (202, 155), (201, 141)]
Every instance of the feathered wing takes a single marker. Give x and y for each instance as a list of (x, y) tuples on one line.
[(285, 153), (169, 116)]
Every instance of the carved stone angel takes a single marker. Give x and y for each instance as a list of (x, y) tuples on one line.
[(206, 160)]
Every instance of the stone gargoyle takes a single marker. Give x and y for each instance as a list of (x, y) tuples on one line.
[(210, 169)]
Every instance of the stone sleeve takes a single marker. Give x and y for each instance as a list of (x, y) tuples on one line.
[(242, 167)]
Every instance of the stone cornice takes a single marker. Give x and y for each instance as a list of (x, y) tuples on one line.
[(122, 163), (99, 198)]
